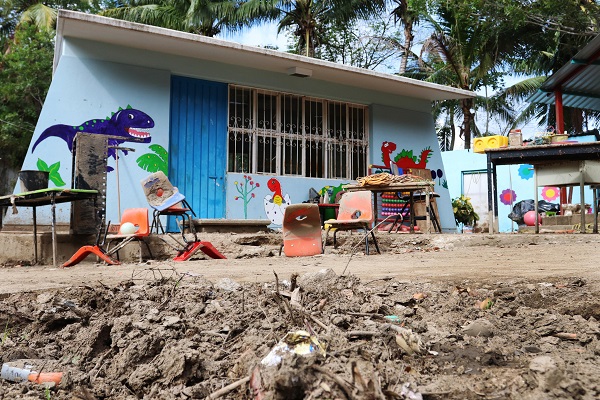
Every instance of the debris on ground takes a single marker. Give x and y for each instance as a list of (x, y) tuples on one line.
[(180, 336)]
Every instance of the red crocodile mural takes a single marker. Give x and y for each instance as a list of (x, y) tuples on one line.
[(405, 159)]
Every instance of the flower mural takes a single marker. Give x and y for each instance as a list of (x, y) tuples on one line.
[(508, 197), (550, 193), (526, 171), (245, 190)]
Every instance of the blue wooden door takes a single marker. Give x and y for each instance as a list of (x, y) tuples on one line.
[(198, 144)]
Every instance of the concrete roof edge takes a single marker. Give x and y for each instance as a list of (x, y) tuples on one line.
[(299, 60)]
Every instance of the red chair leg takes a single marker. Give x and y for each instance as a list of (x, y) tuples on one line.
[(206, 247), (85, 251)]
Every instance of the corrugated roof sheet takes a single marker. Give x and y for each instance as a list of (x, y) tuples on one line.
[(578, 80)]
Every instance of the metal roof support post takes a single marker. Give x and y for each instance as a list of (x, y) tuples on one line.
[(560, 120), (560, 128)]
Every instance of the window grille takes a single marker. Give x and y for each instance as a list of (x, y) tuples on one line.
[(286, 134)]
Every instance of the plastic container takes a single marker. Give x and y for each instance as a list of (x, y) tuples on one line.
[(489, 142), (15, 374), (515, 138), (559, 138), (33, 180)]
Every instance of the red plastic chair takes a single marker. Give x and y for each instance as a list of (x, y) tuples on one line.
[(302, 230), (139, 218), (355, 212)]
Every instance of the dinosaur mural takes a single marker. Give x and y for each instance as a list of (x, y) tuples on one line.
[(126, 123), (405, 159)]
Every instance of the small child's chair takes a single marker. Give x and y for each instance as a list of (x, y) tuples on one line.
[(302, 230), (356, 212)]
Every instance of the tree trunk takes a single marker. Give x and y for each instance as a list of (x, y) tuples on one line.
[(408, 38), (452, 130), (466, 105)]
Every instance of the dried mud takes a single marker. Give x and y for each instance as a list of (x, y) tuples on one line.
[(180, 337), (170, 334)]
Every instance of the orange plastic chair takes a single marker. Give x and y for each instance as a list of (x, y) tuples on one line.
[(302, 230), (139, 218), (355, 212)]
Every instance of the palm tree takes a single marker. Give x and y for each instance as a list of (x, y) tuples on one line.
[(409, 13), (466, 50), (203, 17), (308, 18)]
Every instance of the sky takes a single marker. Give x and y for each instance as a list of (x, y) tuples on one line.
[(263, 35)]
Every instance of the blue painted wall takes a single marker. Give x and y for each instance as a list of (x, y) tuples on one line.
[(412, 131), (86, 89)]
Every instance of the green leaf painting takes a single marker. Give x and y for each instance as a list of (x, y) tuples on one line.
[(53, 170), (156, 161)]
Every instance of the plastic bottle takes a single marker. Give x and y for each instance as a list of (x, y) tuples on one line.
[(15, 374)]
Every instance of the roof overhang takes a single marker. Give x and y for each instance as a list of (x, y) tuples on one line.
[(578, 81), (90, 27)]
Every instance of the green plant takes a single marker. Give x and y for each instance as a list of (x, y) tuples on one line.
[(464, 213), (47, 394)]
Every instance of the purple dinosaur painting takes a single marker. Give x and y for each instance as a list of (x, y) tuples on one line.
[(127, 123)]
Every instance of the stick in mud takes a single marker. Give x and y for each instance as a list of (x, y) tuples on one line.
[(223, 391)]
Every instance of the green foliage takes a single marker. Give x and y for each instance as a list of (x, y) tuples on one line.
[(203, 17), (360, 44), (154, 162), (25, 73), (309, 20), (53, 170), (464, 213)]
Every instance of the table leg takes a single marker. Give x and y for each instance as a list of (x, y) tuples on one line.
[(582, 197), (535, 202), (412, 211), (427, 213), (490, 195), (375, 208), (53, 204), (35, 247), (595, 207)]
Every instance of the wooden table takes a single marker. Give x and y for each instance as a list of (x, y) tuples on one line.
[(564, 159), (411, 187), (46, 197)]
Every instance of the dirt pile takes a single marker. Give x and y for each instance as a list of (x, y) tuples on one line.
[(169, 335)]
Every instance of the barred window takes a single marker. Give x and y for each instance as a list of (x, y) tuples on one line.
[(285, 134)]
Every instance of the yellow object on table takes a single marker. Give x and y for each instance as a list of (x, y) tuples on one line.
[(489, 142)]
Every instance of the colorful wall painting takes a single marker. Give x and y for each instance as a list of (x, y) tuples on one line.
[(54, 175), (157, 160), (526, 171), (245, 190), (508, 197), (276, 203), (332, 191), (126, 123), (405, 159), (550, 193), (438, 174)]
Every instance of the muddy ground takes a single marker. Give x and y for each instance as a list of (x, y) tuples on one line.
[(433, 317)]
